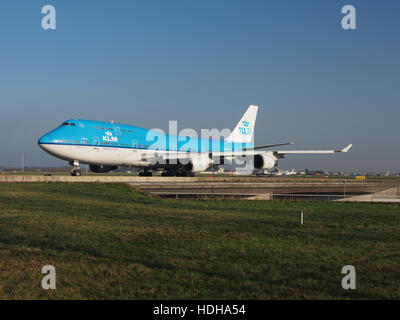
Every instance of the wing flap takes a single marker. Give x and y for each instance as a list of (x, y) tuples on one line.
[(268, 146)]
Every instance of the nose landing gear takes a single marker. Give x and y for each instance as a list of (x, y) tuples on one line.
[(75, 171)]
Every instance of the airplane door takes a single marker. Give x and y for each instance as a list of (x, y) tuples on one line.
[(117, 130), (96, 143)]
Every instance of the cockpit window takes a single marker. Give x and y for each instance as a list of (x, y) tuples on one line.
[(68, 124)]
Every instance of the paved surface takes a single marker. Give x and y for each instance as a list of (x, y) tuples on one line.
[(388, 195), (257, 187)]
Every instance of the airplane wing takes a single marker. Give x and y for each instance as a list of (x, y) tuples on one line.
[(281, 152), (313, 151), (185, 157)]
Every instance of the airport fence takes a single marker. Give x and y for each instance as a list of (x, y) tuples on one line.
[(270, 196), (308, 197), (202, 195), (275, 196)]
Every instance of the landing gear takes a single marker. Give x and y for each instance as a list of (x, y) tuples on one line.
[(145, 173), (177, 173), (185, 174), (76, 171), (181, 172), (168, 173)]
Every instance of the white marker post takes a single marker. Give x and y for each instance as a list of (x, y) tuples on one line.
[(302, 217)]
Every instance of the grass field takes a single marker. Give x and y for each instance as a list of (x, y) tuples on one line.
[(110, 242)]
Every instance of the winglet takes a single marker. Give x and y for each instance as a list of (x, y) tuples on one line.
[(347, 148)]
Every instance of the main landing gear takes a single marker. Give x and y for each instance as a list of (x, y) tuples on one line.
[(75, 171), (177, 173), (145, 173)]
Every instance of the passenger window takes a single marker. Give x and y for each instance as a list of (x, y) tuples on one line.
[(68, 124)]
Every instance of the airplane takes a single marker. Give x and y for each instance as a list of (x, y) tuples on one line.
[(291, 173), (105, 146)]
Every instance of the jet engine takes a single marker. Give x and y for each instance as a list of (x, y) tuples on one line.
[(198, 164), (265, 161), (101, 168)]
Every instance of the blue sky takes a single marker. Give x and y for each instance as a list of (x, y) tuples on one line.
[(202, 63)]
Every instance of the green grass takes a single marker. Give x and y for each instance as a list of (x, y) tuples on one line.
[(111, 242)]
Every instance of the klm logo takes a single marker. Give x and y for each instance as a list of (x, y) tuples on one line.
[(109, 137), (245, 128)]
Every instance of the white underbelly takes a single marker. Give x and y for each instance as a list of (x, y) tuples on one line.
[(95, 155), (105, 155)]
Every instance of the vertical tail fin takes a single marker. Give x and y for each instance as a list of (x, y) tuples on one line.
[(244, 130)]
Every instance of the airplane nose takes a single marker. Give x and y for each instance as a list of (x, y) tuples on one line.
[(41, 142), (43, 139)]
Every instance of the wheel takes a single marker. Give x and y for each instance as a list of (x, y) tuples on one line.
[(180, 172), (168, 173), (76, 172), (185, 174)]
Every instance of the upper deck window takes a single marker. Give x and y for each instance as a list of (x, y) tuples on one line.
[(68, 124)]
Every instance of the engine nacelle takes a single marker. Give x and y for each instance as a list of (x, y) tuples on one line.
[(265, 161), (198, 164), (101, 168)]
